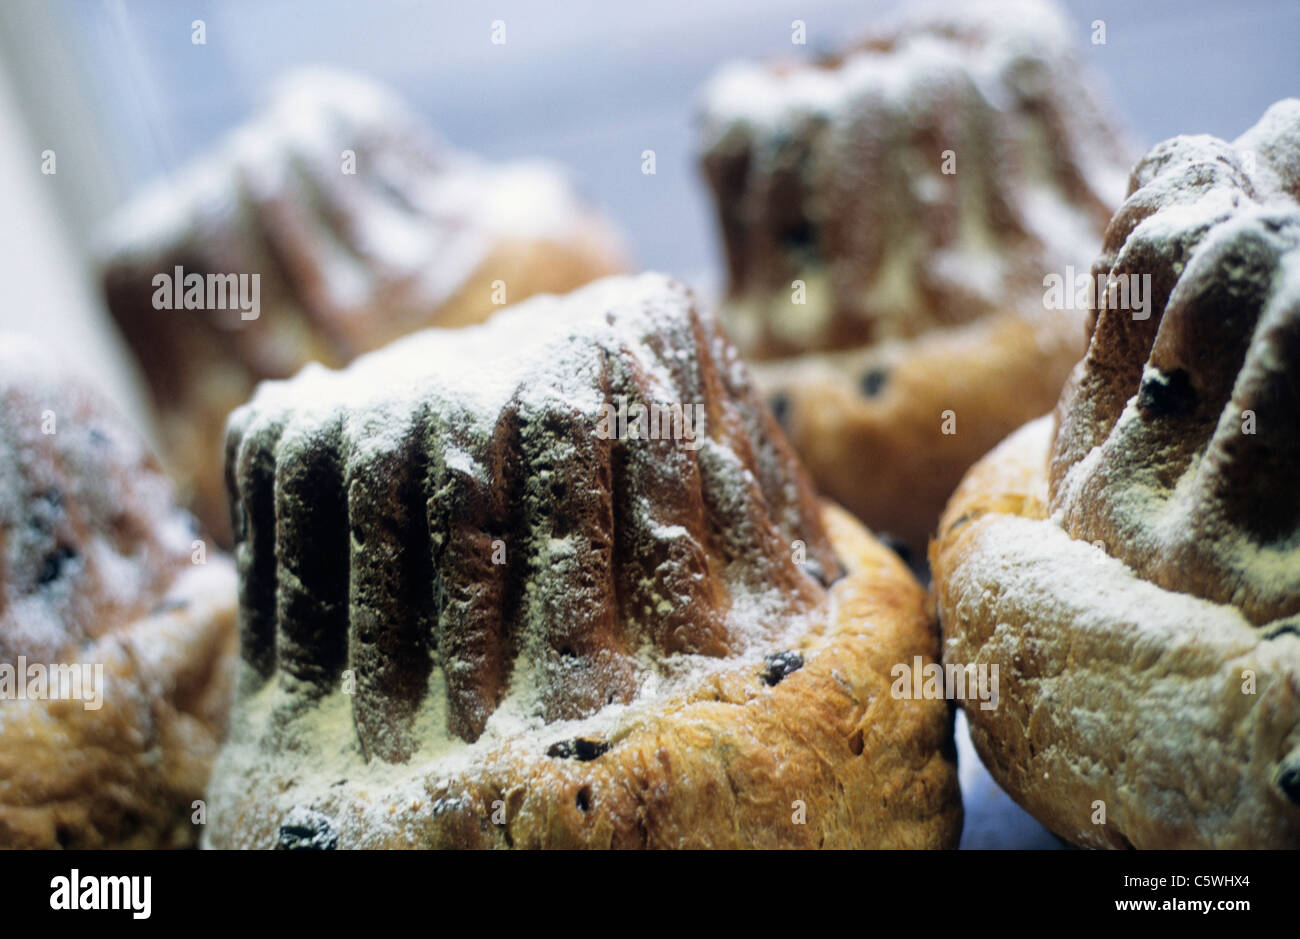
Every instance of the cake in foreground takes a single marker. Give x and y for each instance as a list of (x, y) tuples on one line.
[(889, 216), (557, 581), (1134, 565), (329, 224), (117, 630)]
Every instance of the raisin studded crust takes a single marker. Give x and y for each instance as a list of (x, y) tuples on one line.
[(1133, 564), (96, 570), (889, 215), (350, 255), (472, 618), (869, 423)]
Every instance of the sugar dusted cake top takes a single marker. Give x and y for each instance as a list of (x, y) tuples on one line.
[(465, 521), (1179, 443)]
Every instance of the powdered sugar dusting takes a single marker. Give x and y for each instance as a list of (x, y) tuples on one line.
[(407, 198), (929, 176), (629, 567), (89, 535), (1177, 447)]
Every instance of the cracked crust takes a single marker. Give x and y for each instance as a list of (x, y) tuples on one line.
[(719, 765), (1112, 688)]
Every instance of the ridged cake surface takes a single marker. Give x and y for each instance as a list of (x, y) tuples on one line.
[(1179, 444), (928, 177), (447, 520), (360, 225), (1131, 563)]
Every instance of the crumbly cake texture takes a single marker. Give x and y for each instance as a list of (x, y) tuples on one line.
[(471, 618), (831, 174), (418, 235), (1133, 563), (96, 569)]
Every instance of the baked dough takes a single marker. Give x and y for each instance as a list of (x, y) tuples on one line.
[(1130, 564), (410, 234), (677, 646), (870, 423), (889, 216), (97, 572), (728, 762)]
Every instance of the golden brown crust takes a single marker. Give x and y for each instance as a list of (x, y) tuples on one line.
[(117, 630), (883, 281), (885, 455), (1172, 714), (1129, 564), (126, 775), (727, 764)]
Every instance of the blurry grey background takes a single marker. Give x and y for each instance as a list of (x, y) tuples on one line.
[(588, 84), (119, 92)]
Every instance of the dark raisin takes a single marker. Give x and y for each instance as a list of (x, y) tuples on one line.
[(306, 830), (54, 564), (856, 742), (897, 545), (1170, 394), (817, 571), (1288, 778), (170, 605), (873, 379), (1283, 627), (961, 521), (777, 666), (780, 405), (584, 798), (798, 235), (579, 748)]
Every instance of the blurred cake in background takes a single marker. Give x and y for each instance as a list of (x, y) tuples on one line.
[(361, 226), (117, 626), (889, 216)]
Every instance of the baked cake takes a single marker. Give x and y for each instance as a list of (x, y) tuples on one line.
[(117, 650), (362, 227), (556, 581), (889, 216), (1133, 565)]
